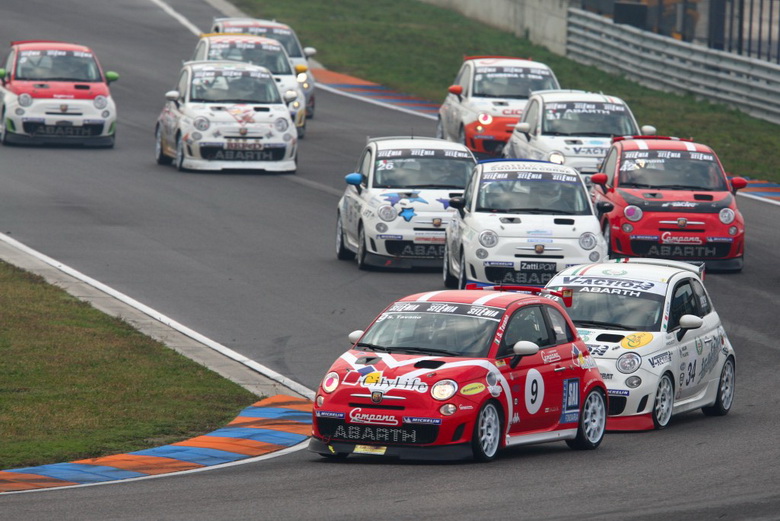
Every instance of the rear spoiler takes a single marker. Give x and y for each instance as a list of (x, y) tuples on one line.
[(696, 267), (565, 294)]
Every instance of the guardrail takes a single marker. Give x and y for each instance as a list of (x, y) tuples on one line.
[(658, 62)]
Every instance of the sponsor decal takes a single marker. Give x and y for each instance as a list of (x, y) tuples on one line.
[(358, 416), (390, 237), (644, 237), (681, 251), (500, 363), (614, 272), (534, 391), (515, 418), (539, 232), (369, 449), (552, 356), (606, 376), (589, 151), (500, 264), (571, 401), (668, 238), (473, 388), (381, 434), (329, 414), (597, 349), (581, 359), (710, 361), (699, 346), (422, 421), (720, 239), (618, 392), (661, 359), (679, 204), (580, 280), (636, 340)]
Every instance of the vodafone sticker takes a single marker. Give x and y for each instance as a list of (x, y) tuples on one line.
[(534, 391)]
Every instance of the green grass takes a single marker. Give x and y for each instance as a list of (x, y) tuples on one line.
[(416, 48), (76, 383)]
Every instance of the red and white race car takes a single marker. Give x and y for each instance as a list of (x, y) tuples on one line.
[(460, 374), (55, 92), (671, 200), (487, 99)]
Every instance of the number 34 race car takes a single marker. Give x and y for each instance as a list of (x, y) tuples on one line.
[(460, 374)]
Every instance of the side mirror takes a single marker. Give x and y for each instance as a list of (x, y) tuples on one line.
[(738, 183), (524, 128), (355, 336), (111, 76), (603, 207), (355, 179), (599, 178), (521, 349), (172, 95), (309, 51), (688, 322), (648, 130), (300, 69), (290, 96), (455, 89), (458, 203)]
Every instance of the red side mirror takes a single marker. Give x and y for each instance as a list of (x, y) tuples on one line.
[(738, 183), (455, 89), (599, 179)]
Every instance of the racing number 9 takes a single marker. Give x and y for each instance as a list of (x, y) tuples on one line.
[(534, 391)]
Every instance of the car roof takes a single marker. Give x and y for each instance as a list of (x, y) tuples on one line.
[(651, 143), (240, 37), (46, 45), (499, 299), (252, 22), (564, 96), (505, 61), (492, 165), (388, 142), (220, 64), (651, 270)]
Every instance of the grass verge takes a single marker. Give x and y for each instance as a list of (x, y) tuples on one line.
[(76, 383), (417, 49)]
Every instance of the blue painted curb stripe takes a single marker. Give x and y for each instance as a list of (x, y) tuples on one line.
[(264, 435), (276, 413), (201, 456), (79, 473)]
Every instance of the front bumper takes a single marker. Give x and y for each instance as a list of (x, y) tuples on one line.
[(459, 451), (271, 157), (489, 140), (82, 125)]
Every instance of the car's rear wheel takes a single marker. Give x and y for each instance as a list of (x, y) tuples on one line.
[(487, 433), (159, 153), (726, 388), (462, 277), (180, 153), (664, 402), (342, 252), (361, 253), (593, 422), (449, 279)]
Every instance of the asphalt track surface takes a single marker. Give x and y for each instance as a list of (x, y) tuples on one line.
[(248, 260)]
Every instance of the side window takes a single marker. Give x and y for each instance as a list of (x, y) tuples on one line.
[(683, 303), (198, 54), (705, 308), (9, 65), (560, 328), (182, 85), (365, 165), (468, 193), (526, 324), (531, 114), (464, 79), (609, 165)]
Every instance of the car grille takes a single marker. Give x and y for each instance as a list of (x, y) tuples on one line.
[(617, 405), (220, 154), (68, 130), (680, 251), (510, 276), (410, 249), (493, 146), (339, 430)]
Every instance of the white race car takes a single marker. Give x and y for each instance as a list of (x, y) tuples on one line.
[(487, 99), (396, 205), (571, 127), (226, 115), (55, 93), (520, 222), (656, 337), (298, 54), (261, 51)]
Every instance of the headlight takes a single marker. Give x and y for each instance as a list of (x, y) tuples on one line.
[(330, 382), (281, 124), (386, 212), (588, 241), (485, 118), (302, 77), (444, 390), (556, 157), (727, 216), (100, 102), (488, 238), (201, 123), (25, 100), (295, 105), (632, 213), (628, 363)]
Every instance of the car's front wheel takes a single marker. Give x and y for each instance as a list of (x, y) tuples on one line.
[(159, 154), (342, 252), (361, 253), (593, 422), (180, 153), (487, 433), (462, 277), (450, 281), (726, 388), (664, 401)]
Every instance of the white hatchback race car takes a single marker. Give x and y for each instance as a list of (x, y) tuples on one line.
[(226, 115), (656, 337), (487, 99), (520, 222), (571, 127), (261, 51), (396, 205), (298, 54)]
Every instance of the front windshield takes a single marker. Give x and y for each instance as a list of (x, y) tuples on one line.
[(233, 86), (433, 328), (588, 119), (57, 66), (422, 168), (671, 169), (604, 302), (511, 82), (532, 192), (282, 35), (272, 57)]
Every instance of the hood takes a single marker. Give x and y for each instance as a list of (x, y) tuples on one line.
[(610, 344), (64, 90), (242, 114), (677, 200), (409, 202), (526, 226), (500, 107), (573, 146)]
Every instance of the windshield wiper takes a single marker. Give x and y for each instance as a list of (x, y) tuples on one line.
[(637, 185), (548, 133), (595, 134), (432, 185), (684, 187), (602, 325), (373, 347), (430, 350)]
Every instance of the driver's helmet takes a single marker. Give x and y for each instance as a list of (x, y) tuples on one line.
[(547, 189)]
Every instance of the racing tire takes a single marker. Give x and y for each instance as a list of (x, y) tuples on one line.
[(462, 278), (180, 153), (3, 138), (439, 129), (486, 439), (159, 155), (608, 238), (664, 402), (726, 389), (450, 281), (360, 256), (593, 422), (342, 252), (302, 130)]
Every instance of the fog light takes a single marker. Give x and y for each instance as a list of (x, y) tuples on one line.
[(19, 112), (479, 128), (627, 228), (448, 409), (733, 230), (287, 137), (381, 227), (481, 254), (633, 382), (320, 400), (105, 114), (594, 256), (196, 136)]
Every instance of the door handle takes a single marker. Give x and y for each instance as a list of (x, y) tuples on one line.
[(560, 368)]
